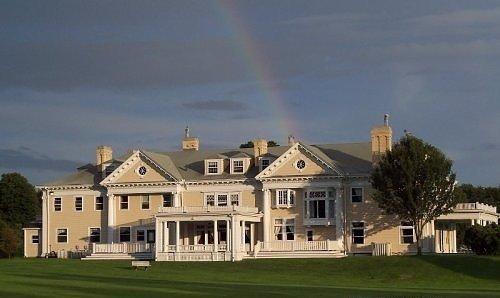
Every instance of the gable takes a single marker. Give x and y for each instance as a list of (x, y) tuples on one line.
[(128, 171), (287, 164)]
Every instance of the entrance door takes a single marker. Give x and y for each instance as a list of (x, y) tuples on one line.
[(151, 235)]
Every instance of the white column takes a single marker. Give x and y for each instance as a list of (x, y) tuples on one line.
[(228, 235), (252, 236), (177, 200), (45, 222), (235, 238), (216, 237), (111, 217), (243, 229), (177, 234), (166, 234), (267, 214), (158, 236), (339, 217)]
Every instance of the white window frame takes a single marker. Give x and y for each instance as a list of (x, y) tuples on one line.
[(358, 228), (284, 224), (149, 201), (128, 202), (67, 235), (406, 227), (60, 204), (78, 197), (90, 234), (243, 165), (229, 200), (287, 201), (37, 239), (329, 200), (362, 194), (95, 203), (120, 233), (218, 162), (261, 166)]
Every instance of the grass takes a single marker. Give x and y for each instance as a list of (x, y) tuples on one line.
[(427, 276)]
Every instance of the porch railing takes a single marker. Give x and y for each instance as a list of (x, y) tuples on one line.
[(326, 245), (203, 209), (476, 206), (196, 248), (122, 247)]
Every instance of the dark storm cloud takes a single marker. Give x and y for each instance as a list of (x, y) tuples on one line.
[(25, 158)]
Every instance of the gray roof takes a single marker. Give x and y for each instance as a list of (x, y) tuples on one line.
[(349, 158)]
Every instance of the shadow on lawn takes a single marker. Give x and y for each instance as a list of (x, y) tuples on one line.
[(487, 268), (133, 286)]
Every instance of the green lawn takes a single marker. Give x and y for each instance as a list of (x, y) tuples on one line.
[(435, 276)]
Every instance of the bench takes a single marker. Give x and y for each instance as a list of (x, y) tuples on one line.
[(141, 264)]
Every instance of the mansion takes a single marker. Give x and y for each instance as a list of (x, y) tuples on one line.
[(292, 201)]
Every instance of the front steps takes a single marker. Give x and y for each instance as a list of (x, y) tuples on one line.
[(119, 256), (297, 254)]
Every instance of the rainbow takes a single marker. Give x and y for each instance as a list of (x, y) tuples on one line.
[(258, 66)]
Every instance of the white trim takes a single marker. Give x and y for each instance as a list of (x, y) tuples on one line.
[(149, 202), (222, 193), (283, 226), (130, 233), (261, 167), (364, 232), (288, 198), (220, 166), (296, 167), (54, 204), (128, 202), (401, 227), (74, 203), (141, 165), (67, 235), (245, 164)]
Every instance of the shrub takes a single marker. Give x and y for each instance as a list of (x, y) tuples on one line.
[(483, 240)]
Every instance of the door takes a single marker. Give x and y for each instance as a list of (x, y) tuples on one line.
[(151, 236)]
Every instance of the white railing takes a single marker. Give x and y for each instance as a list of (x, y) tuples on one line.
[(476, 206), (196, 248), (326, 245), (123, 247), (203, 209), (381, 249)]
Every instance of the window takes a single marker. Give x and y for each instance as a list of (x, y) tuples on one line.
[(309, 235), (57, 204), (145, 202), (238, 166), (284, 229), (357, 194), (407, 232), (140, 236), (78, 204), (213, 167), (235, 199), (95, 235), (62, 235), (358, 232), (319, 204), (168, 200), (209, 199), (124, 202), (124, 234), (35, 239), (285, 198), (222, 199), (99, 203), (264, 163)]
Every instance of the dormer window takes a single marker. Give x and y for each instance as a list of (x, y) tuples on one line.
[(213, 167), (264, 163), (239, 165)]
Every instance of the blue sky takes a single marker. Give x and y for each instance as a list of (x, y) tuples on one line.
[(74, 75)]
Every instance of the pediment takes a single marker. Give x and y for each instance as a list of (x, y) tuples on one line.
[(299, 161), (138, 168)]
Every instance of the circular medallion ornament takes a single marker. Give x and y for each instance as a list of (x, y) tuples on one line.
[(300, 164), (142, 171)]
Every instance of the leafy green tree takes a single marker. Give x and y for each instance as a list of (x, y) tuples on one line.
[(487, 195), (19, 201), (9, 241), (483, 240), (415, 182), (249, 144)]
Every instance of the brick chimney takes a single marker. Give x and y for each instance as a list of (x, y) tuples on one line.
[(259, 148), (190, 143), (104, 154), (381, 139)]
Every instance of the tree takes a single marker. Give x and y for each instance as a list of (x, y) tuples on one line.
[(249, 144), (483, 240), (415, 182), (9, 240), (19, 201), (487, 195)]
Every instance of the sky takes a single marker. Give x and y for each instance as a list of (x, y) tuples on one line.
[(133, 74)]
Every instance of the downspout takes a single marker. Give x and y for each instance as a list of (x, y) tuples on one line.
[(344, 197)]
